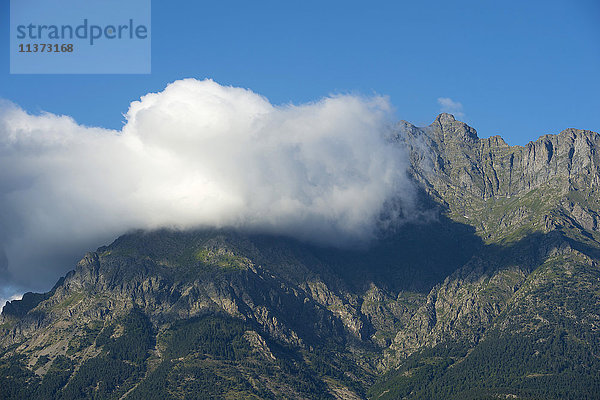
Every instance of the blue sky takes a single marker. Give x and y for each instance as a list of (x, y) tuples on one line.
[(519, 68)]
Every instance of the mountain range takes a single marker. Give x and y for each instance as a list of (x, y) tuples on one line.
[(488, 289)]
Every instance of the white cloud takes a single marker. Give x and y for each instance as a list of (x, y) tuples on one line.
[(197, 154), (447, 105)]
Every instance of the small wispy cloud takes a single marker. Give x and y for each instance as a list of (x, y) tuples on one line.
[(450, 106)]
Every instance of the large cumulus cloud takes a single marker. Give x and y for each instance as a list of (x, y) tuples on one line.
[(197, 154)]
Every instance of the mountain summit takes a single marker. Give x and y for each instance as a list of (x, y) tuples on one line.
[(494, 294)]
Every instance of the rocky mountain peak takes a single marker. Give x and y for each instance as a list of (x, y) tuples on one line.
[(448, 129), (445, 118)]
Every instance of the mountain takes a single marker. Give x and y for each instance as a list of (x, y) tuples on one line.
[(491, 291)]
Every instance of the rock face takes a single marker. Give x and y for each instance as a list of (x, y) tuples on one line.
[(456, 158), (496, 294)]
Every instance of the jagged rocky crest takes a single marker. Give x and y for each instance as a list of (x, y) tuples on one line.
[(510, 261)]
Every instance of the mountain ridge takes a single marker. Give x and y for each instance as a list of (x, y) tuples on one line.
[(512, 249)]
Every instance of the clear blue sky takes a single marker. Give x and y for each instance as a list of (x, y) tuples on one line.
[(519, 68)]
